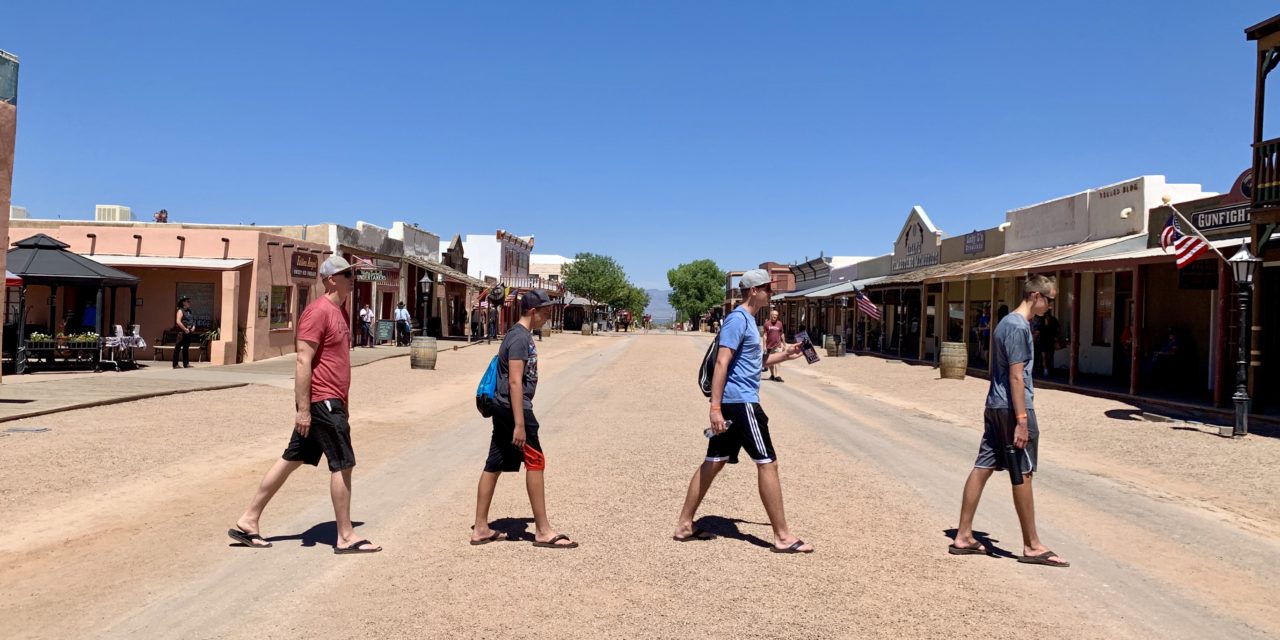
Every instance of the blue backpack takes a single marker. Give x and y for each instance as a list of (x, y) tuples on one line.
[(484, 392)]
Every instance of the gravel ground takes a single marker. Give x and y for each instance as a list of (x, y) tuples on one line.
[(1185, 459), (128, 522)]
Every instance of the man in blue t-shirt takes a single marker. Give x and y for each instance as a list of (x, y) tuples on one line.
[(737, 420), (1010, 418)]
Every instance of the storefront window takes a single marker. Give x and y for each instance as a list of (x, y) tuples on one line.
[(281, 317), (1103, 310)]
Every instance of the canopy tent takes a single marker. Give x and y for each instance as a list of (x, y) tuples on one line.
[(42, 260), (11, 280)]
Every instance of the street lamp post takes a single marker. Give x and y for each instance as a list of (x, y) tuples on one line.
[(1243, 267)]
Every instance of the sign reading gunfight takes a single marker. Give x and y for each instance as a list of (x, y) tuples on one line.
[(1234, 216), (304, 265)]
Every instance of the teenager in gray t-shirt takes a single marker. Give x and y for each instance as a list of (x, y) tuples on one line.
[(1010, 420), (1013, 344)]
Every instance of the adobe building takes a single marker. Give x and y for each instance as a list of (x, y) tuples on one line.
[(8, 136), (249, 283)]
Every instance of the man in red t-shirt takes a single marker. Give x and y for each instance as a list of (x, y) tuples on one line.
[(773, 341), (321, 385)]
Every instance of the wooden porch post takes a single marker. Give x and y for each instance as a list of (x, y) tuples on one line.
[(924, 318), (1075, 328), (991, 327), (1221, 328), (1135, 326), (964, 325)]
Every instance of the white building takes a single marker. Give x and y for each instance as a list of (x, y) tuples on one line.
[(547, 266), (1094, 214), (18, 212), (498, 256)]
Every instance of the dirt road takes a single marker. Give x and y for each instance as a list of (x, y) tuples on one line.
[(116, 521)]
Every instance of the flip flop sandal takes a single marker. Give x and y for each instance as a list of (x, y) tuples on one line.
[(551, 544), (497, 535), (1043, 559), (245, 538), (698, 534), (794, 548), (355, 548), (966, 551)]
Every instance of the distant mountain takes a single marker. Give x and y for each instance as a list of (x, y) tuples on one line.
[(659, 308)]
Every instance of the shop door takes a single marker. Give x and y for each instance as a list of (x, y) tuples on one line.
[(388, 305)]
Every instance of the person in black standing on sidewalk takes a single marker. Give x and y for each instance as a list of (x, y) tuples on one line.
[(184, 321)]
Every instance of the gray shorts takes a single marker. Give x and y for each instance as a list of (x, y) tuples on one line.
[(997, 423)]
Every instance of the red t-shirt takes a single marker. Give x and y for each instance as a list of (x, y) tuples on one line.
[(772, 334), (325, 324)]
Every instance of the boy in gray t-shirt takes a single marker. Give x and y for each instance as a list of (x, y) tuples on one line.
[(1009, 419), (515, 428)]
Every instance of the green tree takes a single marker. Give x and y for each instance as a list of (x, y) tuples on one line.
[(631, 298), (696, 287), (598, 278)]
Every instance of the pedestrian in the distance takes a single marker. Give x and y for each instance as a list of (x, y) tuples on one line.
[(515, 428), (493, 323), (773, 341), (322, 380), (737, 420), (403, 328), (366, 326), (1010, 418), (184, 322)]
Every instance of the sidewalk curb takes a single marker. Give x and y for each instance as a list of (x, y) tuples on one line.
[(121, 399)]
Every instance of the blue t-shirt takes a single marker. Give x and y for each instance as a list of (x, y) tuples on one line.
[(738, 332), (1013, 344)]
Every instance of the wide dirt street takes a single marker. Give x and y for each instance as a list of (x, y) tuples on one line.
[(115, 519)]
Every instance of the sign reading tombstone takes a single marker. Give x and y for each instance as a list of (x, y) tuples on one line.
[(304, 265)]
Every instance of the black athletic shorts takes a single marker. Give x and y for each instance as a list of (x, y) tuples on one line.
[(748, 429), (996, 423), (504, 456), (330, 435)]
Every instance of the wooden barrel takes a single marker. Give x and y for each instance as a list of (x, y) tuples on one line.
[(955, 360), (422, 352)]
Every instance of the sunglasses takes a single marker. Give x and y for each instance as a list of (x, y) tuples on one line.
[(1049, 299), (347, 274)]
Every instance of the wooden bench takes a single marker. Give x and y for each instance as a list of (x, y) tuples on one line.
[(169, 341)]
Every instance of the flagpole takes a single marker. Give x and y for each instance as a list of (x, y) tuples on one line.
[(1168, 202)]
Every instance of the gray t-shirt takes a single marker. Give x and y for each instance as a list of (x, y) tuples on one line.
[(1013, 344), (517, 345)]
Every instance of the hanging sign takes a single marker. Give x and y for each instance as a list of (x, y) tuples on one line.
[(371, 275), (975, 242), (304, 265)]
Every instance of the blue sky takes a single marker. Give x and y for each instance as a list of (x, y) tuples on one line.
[(655, 132)]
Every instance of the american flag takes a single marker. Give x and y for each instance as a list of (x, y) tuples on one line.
[(1187, 248), (867, 306)]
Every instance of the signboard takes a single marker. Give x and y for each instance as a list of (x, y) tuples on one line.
[(386, 331), (371, 275), (304, 265), (1221, 218), (917, 244), (1201, 275), (975, 242)]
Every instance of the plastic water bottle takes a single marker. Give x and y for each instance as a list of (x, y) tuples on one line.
[(709, 432)]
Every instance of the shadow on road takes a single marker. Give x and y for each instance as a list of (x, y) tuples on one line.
[(324, 533), (515, 528), (986, 540), (728, 528)]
